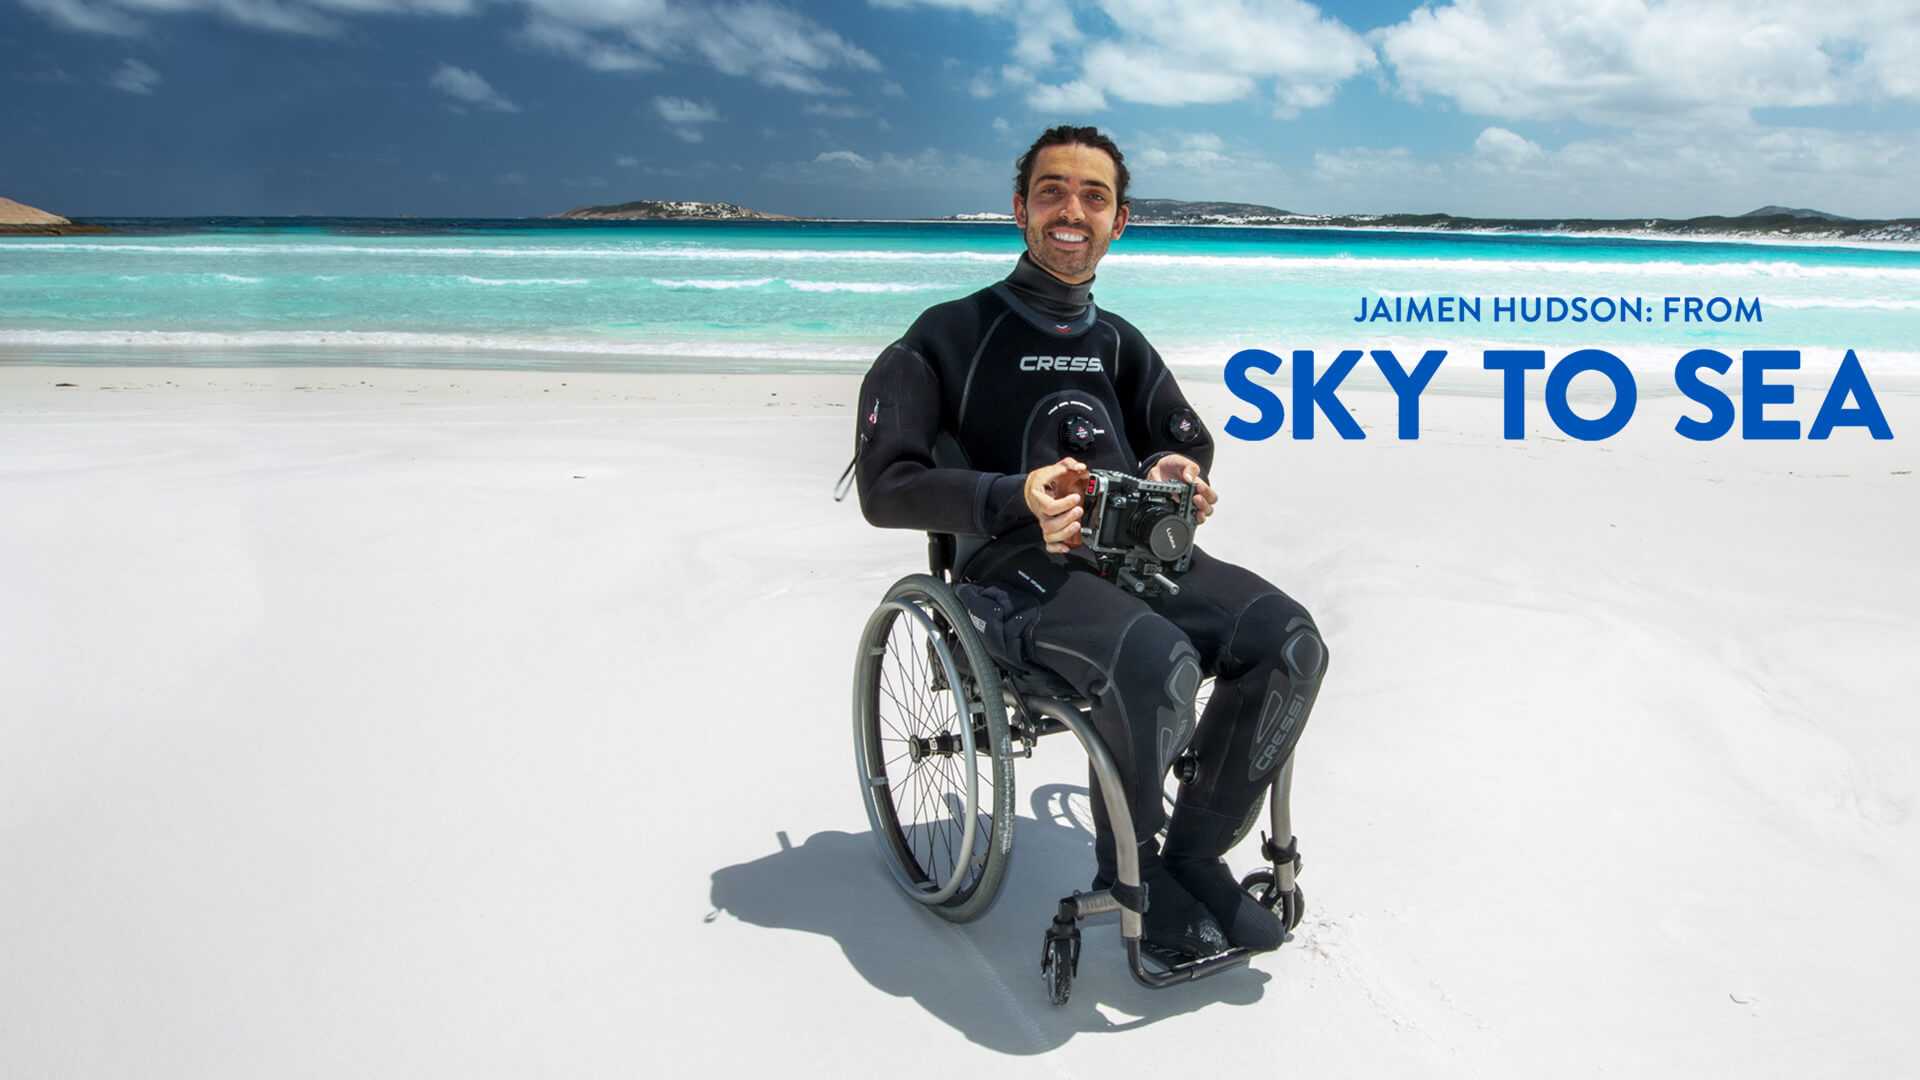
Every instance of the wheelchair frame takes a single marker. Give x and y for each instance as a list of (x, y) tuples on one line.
[(959, 651)]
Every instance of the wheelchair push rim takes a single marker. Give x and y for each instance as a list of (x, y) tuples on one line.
[(920, 727)]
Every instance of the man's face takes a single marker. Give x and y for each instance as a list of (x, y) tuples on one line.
[(1069, 214)]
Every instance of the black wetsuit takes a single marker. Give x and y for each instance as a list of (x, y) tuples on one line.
[(952, 418)]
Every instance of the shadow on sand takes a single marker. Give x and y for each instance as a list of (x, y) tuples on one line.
[(983, 978)]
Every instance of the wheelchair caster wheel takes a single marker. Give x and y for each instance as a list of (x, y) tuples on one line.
[(1060, 961), (1292, 905), (1260, 885)]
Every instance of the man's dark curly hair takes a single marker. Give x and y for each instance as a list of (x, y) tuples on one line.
[(1068, 135)]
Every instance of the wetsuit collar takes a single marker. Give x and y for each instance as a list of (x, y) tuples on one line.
[(1047, 302)]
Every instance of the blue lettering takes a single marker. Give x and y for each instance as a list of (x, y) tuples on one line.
[(1516, 363), (1850, 381), (1686, 376), (1310, 393), (1625, 394), (1757, 393), (1408, 387), (1270, 413)]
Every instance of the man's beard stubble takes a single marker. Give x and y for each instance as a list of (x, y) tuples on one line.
[(1090, 256)]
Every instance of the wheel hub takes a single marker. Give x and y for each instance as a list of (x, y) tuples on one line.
[(945, 744)]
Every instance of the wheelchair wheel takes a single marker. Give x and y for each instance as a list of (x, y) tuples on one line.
[(932, 749), (1266, 892)]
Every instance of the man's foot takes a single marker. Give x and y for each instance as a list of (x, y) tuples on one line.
[(1176, 927), (1212, 884)]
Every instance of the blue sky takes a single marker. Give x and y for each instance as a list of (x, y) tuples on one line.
[(918, 107)]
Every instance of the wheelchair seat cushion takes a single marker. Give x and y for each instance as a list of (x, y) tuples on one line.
[(1043, 683)]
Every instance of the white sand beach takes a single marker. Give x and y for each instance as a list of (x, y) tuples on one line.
[(405, 723)]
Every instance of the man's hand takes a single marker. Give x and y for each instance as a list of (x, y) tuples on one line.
[(1175, 467), (1054, 495)]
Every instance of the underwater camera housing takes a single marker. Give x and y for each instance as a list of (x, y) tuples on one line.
[(1139, 531)]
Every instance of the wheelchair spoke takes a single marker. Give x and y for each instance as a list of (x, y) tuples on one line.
[(946, 818), (889, 723), (920, 709)]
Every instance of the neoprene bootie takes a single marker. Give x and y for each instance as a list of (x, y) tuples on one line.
[(1176, 927), (1196, 838), (1211, 882)]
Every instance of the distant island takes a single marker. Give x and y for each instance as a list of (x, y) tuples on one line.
[(17, 218), (1767, 222), (659, 210)]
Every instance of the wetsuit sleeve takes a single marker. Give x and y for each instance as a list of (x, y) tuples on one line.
[(1159, 420), (900, 485)]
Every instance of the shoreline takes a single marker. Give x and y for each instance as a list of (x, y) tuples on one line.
[(25, 386), (379, 352), (1811, 242)]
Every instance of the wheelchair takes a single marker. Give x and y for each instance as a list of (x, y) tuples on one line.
[(937, 724)]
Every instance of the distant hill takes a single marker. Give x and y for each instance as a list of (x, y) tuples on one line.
[(1791, 212), (1773, 222), (659, 210), (18, 213), (1185, 212), (17, 218), (1173, 212)]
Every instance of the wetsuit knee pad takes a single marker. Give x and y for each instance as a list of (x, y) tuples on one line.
[(1304, 653), (1276, 629)]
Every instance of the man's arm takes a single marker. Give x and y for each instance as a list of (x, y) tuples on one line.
[(900, 486), (1159, 420)]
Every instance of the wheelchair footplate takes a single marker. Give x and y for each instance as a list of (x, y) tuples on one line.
[(1060, 955)]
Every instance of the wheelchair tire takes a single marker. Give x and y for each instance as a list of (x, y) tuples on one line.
[(921, 668)]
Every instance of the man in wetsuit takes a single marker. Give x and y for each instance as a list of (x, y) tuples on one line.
[(982, 422)]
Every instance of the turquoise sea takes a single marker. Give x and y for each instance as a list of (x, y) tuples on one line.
[(513, 294)]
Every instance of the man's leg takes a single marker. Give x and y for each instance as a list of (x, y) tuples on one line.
[(1268, 660), (1141, 673)]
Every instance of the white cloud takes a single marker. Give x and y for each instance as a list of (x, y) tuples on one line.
[(1041, 27), (893, 89), (1205, 52), (929, 168), (470, 88), (1503, 149), (1191, 151), (757, 39), (684, 117), (1364, 162), (1644, 172), (1000, 125), (837, 112), (134, 76), (626, 161), (843, 157), (775, 46), (86, 17), (511, 179), (675, 110), (571, 41), (1072, 97), (1635, 62), (1201, 165)]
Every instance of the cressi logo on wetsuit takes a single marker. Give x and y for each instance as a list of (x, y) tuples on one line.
[(1060, 363)]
